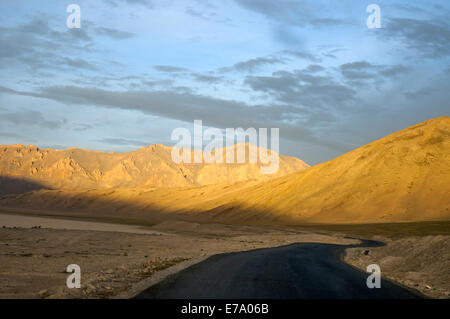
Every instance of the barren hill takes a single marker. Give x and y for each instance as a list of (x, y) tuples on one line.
[(25, 168), (403, 177)]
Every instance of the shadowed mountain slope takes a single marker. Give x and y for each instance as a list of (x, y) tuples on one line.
[(403, 177)]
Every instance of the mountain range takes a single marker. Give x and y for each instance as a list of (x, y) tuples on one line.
[(403, 177), (25, 168)]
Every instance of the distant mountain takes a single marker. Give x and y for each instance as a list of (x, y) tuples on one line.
[(404, 177), (25, 168)]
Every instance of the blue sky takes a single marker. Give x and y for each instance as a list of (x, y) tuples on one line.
[(138, 69)]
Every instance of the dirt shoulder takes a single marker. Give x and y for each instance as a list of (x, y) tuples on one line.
[(419, 262)]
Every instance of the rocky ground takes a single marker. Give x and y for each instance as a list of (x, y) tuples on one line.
[(419, 262), (33, 261)]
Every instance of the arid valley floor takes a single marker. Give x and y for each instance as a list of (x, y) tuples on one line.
[(34, 259)]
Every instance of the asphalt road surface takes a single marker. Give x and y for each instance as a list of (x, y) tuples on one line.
[(297, 271)]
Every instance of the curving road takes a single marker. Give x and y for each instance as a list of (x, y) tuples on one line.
[(297, 271)]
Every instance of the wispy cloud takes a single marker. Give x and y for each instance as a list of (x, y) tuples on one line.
[(29, 117), (122, 142), (252, 65), (428, 38), (169, 68)]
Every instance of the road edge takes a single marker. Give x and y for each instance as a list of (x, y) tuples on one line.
[(418, 293), (157, 277)]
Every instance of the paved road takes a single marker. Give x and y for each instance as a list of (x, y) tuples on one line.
[(304, 270)]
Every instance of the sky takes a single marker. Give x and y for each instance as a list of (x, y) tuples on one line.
[(137, 69)]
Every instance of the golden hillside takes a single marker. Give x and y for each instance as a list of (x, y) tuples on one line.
[(403, 177), (26, 168)]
